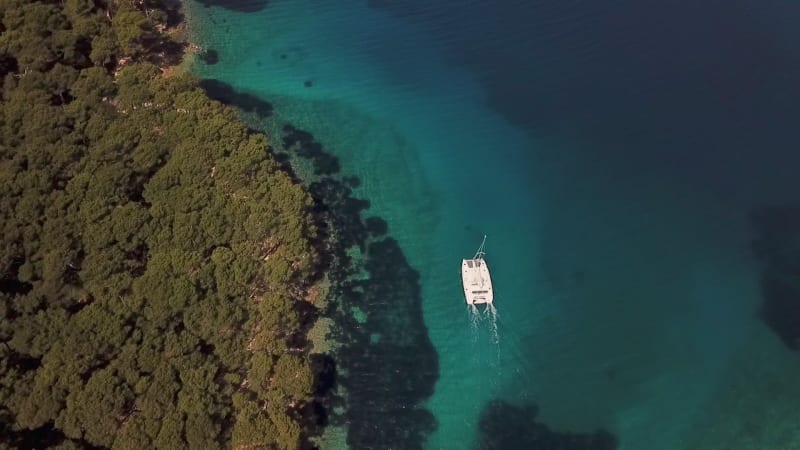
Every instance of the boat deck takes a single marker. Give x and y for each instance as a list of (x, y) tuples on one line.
[(477, 281)]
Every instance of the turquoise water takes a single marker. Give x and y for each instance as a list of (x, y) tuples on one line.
[(625, 287)]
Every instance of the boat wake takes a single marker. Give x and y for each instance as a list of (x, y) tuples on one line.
[(477, 284), (488, 316), (491, 313), (474, 321)]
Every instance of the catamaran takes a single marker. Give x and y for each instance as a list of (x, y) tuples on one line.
[(476, 279)]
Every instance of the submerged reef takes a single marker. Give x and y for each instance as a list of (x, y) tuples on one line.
[(504, 426), (209, 56), (387, 365), (777, 246), (384, 366)]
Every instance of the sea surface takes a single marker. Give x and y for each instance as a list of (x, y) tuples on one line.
[(613, 151)]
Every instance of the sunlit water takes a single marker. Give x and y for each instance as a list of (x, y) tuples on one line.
[(610, 151)]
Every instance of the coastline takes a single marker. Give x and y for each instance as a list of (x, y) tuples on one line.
[(234, 226), (306, 170), (373, 322), (316, 326), (320, 326), (318, 293)]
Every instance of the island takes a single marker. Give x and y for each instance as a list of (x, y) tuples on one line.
[(157, 263)]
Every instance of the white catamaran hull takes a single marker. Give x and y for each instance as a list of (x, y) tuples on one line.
[(477, 281)]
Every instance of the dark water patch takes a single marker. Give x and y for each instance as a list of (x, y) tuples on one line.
[(376, 226), (325, 367), (780, 308), (227, 94), (246, 6), (777, 246), (706, 89), (315, 415), (385, 363), (351, 181), (290, 55), (209, 56), (395, 364), (503, 426), (339, 201), (420, 10), (308, 83), (610, 373), (303, 143)]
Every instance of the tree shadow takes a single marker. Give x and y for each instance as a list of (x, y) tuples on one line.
[(45, 436), (385, 362), (315, 415), (227, 94), (8, 64), (174, 11), (504, 426), (162, 50), (777, 246), (165, 52), (10, 283)]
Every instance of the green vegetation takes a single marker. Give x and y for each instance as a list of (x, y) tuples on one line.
[(153, 257)]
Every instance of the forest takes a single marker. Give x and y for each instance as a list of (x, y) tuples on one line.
[(155, 258)]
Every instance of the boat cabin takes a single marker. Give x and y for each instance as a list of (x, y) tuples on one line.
[(476, 278)]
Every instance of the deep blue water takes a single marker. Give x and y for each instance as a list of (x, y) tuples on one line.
[(704, 90), (613, 151)]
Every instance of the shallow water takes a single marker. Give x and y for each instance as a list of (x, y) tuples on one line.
[(612, 151)]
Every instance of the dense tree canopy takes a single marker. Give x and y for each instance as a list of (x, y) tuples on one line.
[(153, 253)]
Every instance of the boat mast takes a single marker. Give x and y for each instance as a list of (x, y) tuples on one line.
[(480, 253)]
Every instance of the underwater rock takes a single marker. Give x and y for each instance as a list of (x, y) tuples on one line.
[(777, 246), (290, 55), (382, 401), (209, 56), (505, 426)]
